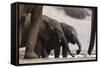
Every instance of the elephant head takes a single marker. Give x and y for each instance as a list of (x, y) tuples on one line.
[(71, 35)]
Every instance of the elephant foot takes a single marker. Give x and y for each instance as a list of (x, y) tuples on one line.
[(30, 56), (56, 56), (65, 56)]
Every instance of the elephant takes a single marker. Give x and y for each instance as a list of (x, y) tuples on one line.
[(50, 38), (28, 35)]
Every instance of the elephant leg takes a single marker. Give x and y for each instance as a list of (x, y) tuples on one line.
[(23, 12), (35, 24), (64, 51), (40, 49), (65, 44), (57, 50), (44, 53), (44, 50), (38, 46), (48, 51), (21, 31)]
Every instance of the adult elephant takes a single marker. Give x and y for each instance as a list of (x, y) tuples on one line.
[(28, 36), (51, 36)]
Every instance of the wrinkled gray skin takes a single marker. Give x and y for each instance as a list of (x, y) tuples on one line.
[(49, 35)]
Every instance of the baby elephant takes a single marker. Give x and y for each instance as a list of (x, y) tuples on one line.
[(48, 39)]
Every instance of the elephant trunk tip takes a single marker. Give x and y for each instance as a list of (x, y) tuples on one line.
[(78, 52)]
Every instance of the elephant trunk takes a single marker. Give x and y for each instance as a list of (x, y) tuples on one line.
[(65, 42), (79, 45)]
